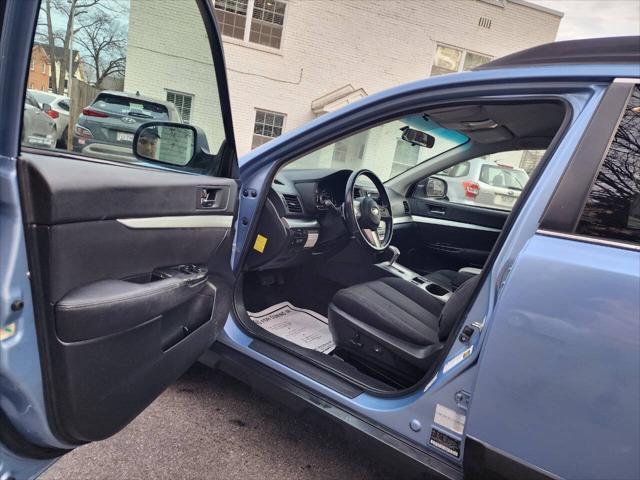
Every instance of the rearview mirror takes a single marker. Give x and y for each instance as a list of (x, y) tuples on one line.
[(436, 188), (165, 142), (416, 137)]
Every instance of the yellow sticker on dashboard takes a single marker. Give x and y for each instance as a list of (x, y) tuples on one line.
[(261, 242)]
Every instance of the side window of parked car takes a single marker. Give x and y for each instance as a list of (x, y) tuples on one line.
[(132, 62), (491, 181), (612, 210)]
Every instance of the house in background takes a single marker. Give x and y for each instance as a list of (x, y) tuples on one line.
[(289, 61), (40, 67), (39, 70)]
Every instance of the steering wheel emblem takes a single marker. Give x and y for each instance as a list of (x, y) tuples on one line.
[(375, 211)]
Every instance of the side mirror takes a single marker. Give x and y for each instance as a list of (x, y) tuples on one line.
[(169, 143), (435, 188), (416, 137), (46, 108)]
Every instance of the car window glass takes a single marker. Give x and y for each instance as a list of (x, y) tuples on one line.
[(612, 210), (131, 106), (383, 150), (133, 62), (491, 181)]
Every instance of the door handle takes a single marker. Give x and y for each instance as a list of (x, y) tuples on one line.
[(437, 210)]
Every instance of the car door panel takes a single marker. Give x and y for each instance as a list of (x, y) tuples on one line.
[(119, 321), (452, 236)]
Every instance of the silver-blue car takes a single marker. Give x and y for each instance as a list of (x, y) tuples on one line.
[(331, 266)]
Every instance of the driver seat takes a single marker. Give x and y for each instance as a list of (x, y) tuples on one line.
[(393, 327)]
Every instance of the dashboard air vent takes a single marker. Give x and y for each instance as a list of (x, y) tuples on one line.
[(293, 203), (407, 210)]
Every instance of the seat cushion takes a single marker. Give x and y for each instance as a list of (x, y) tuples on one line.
[(450, 279), (394, 306)]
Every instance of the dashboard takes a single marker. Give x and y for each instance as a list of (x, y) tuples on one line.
[(301, 217)]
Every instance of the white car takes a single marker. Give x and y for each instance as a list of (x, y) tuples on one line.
[(38, 128), (60, 106), (484, 183)]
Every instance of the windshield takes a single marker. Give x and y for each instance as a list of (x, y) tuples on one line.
[(131, 106), (382, 149), (500, 176)]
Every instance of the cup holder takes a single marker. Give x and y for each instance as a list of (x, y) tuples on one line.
[(437, 290)]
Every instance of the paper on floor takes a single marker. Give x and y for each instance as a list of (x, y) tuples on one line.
[(300, 326)]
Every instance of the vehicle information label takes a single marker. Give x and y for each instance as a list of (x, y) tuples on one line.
[(457, 359), (450, 419), (445, 443)]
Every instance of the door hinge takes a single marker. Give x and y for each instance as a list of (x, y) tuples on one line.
[(463, 398), (503, 278)]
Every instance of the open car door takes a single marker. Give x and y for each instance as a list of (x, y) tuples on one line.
[(116, 271)]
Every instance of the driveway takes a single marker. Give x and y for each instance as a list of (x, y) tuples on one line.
[(208, 425)]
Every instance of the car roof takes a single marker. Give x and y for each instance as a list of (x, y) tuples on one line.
[(56, 97), (612, 50), (137, 96)]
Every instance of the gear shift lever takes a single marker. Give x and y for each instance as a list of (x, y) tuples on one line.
[(395, 253)]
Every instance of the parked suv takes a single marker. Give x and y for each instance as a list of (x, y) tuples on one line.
[(112, 119), (483, 182)]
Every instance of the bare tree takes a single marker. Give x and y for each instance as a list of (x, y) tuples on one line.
[(103, 42), (76, 16)]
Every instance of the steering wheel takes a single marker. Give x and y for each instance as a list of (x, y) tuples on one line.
[(365, 216)]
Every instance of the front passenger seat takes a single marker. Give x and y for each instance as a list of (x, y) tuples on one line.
[(394, 327)]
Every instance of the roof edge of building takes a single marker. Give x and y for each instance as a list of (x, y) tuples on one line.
[(535, 6)]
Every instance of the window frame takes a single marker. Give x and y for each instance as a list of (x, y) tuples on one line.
[(245, 42), (463, 57), (264, 110), (167, 91), (565, 208)]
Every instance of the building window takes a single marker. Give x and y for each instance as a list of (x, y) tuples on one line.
[(33, 64), (44, 68), (451, 60), (612, 210), (232, 17), (183, 103), (268, 125), (405, 157), (266, 21)]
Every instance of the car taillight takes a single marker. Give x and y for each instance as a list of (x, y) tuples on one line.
[(53, 114), (89, 112), (83, 132), (471, 189)]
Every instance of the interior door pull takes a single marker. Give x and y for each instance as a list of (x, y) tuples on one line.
[(437, 210)]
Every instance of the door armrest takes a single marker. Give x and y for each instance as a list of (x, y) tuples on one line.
[(111, 306)]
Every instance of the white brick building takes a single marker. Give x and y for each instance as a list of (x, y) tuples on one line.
[(301, 58)]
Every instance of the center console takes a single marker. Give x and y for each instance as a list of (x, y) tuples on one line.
[(434, 289)]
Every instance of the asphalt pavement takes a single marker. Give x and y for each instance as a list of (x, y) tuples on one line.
[(210, 426)]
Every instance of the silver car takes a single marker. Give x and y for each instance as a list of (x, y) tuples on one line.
[(484, 183), (60, 106), (38, 128)]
